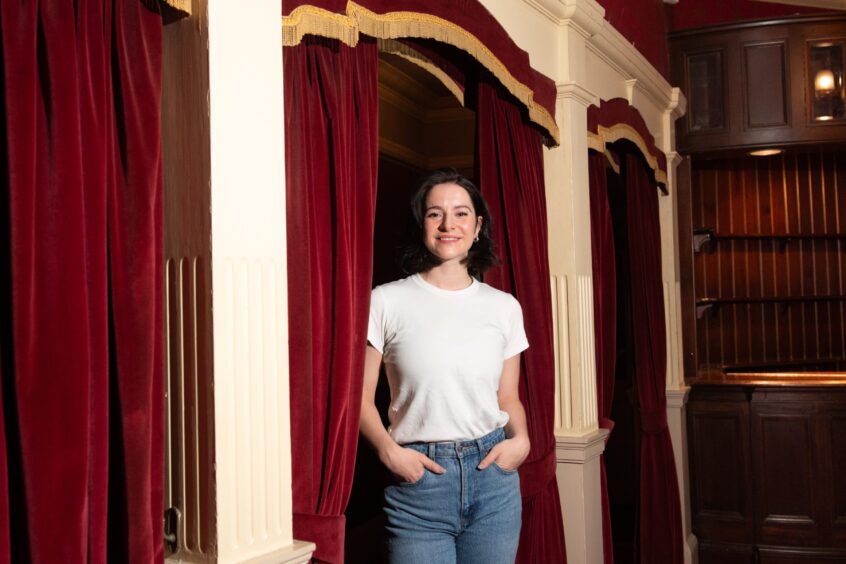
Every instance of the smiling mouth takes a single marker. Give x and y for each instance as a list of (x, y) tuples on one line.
[(449, 239)]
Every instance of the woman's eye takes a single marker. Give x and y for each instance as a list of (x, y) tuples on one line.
[(433, 215), (462, 214)]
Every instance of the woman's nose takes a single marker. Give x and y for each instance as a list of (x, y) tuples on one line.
[(446, 223)]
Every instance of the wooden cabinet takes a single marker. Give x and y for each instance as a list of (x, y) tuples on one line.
[(766, 469), (750, 85)]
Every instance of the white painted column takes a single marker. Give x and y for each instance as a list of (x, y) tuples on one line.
[(579, 441), (677, 420), (229, 445), (251, 404), (677, 391)]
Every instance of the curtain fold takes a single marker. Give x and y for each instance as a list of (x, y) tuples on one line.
[(81, 316), (660, 522), (510, 162), (331, 110), (604, 319)]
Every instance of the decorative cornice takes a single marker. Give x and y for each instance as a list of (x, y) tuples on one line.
[(630, 88), (678, 103), (580, 449), (610, 46), (573, 91), (673, 159), (587, 16), (677, 398)]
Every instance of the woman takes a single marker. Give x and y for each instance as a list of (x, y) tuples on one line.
[(451, 347)]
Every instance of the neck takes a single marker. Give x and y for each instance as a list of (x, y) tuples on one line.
[(448, 276)]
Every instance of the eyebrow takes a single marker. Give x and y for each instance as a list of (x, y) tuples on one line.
[(437, 207)]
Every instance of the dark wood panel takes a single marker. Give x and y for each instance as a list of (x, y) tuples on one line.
[(766, 84), (688, 301), (754, 60), (706, 88), (779, 555), (795, 485), (720, 468), (783, 465), (756, 198), (833, 468), (724, 553)]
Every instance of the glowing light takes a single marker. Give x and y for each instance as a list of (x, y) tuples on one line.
[(824, 81), (766, 152)]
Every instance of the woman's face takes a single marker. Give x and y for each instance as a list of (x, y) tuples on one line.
[(449, 222)]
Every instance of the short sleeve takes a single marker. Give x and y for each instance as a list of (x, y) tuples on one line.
[(516, 334), (376, 325)]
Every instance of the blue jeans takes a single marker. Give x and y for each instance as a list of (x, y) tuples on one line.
[(464, 515)]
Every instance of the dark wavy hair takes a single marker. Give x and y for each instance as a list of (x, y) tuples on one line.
[(414, 257)]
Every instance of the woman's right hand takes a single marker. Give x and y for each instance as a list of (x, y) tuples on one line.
[(407, 464)]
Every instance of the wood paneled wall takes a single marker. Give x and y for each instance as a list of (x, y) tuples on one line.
[(766, 474), (778, 251)]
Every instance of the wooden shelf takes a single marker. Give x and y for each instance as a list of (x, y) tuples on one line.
[(706, 236), (780, 379), (784, 371), (704, 304)]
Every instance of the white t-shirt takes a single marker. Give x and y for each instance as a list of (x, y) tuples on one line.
[(443, 352)]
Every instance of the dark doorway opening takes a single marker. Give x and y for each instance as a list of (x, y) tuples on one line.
[(622, 453), (422, 127)]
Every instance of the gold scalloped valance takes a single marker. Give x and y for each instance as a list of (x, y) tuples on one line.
[(311, 20), (605, 135)]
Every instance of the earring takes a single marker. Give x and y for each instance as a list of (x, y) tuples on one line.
[(476, 240)]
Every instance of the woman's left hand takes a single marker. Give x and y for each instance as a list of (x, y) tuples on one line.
[(508, 454)]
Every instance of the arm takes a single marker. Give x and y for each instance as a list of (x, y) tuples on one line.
[(405, 463), (510, 453)]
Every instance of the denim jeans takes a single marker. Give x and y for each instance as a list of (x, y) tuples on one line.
[(463, 516)]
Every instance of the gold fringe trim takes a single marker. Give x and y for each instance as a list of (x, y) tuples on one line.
[(182, 6), (307, 20), (312, 20), (414, 56), (616, 132)]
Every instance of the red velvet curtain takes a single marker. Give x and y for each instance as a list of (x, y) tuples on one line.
[(331, 154), (81, 313), (510, 162), (604, 318), (660, 513)]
